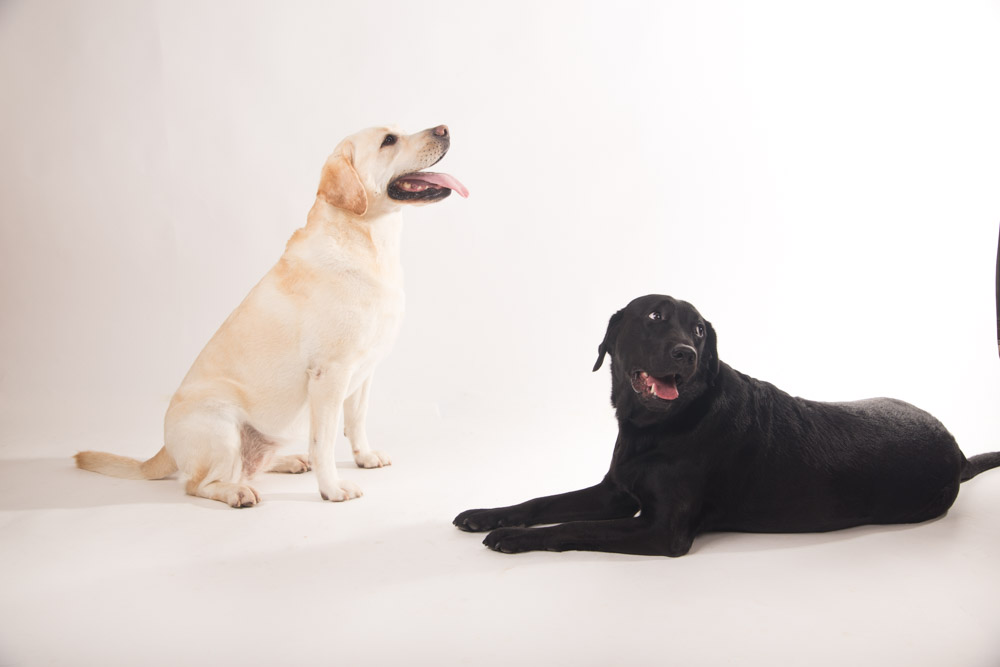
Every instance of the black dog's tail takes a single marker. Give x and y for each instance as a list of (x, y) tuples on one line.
[(980, 463)]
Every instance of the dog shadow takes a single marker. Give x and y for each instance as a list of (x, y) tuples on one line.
[(56, 483), (737, 542)]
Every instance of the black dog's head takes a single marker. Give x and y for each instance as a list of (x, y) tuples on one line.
[(663, 356)]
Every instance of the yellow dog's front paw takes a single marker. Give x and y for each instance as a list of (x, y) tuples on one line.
[(372, 459), (340, 491)]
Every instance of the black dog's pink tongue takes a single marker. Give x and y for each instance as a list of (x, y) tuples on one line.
[(665, 389)]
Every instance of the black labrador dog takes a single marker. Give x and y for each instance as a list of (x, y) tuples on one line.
[(702, 447)]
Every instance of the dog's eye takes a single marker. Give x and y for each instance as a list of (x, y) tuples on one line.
[(389, 140), (699, 330), (655, 316)]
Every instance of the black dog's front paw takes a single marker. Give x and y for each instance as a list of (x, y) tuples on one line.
[(477, 521), (514, 540)]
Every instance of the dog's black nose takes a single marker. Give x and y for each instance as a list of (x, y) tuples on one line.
[(441, 131), (684, 354)]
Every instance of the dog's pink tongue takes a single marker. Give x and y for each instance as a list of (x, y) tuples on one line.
[(665, 389), (442, 180)]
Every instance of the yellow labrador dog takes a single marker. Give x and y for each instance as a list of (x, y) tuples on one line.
[(308, 335)]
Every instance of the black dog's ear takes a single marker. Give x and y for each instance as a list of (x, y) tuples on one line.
[(711, 353), (609, 337)]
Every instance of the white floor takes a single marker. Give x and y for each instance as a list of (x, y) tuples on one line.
[(99, 571)]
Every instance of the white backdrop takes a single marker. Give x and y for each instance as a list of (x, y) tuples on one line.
[(820, 179)]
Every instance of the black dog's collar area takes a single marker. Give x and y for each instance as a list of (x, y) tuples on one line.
[(650, 387)]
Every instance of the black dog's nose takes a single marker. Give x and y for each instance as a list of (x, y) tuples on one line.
[(441, 131), (684, 354)]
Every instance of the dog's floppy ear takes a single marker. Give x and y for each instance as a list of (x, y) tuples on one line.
[(340, 185), (609, 337), (711, 353)]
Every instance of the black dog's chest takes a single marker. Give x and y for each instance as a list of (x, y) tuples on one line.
[(641, 460), (630, 448)]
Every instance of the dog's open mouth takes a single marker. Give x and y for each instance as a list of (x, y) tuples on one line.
[(425, 186), (664, 388)]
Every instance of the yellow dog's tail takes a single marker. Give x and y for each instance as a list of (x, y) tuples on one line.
[(157, 467)]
